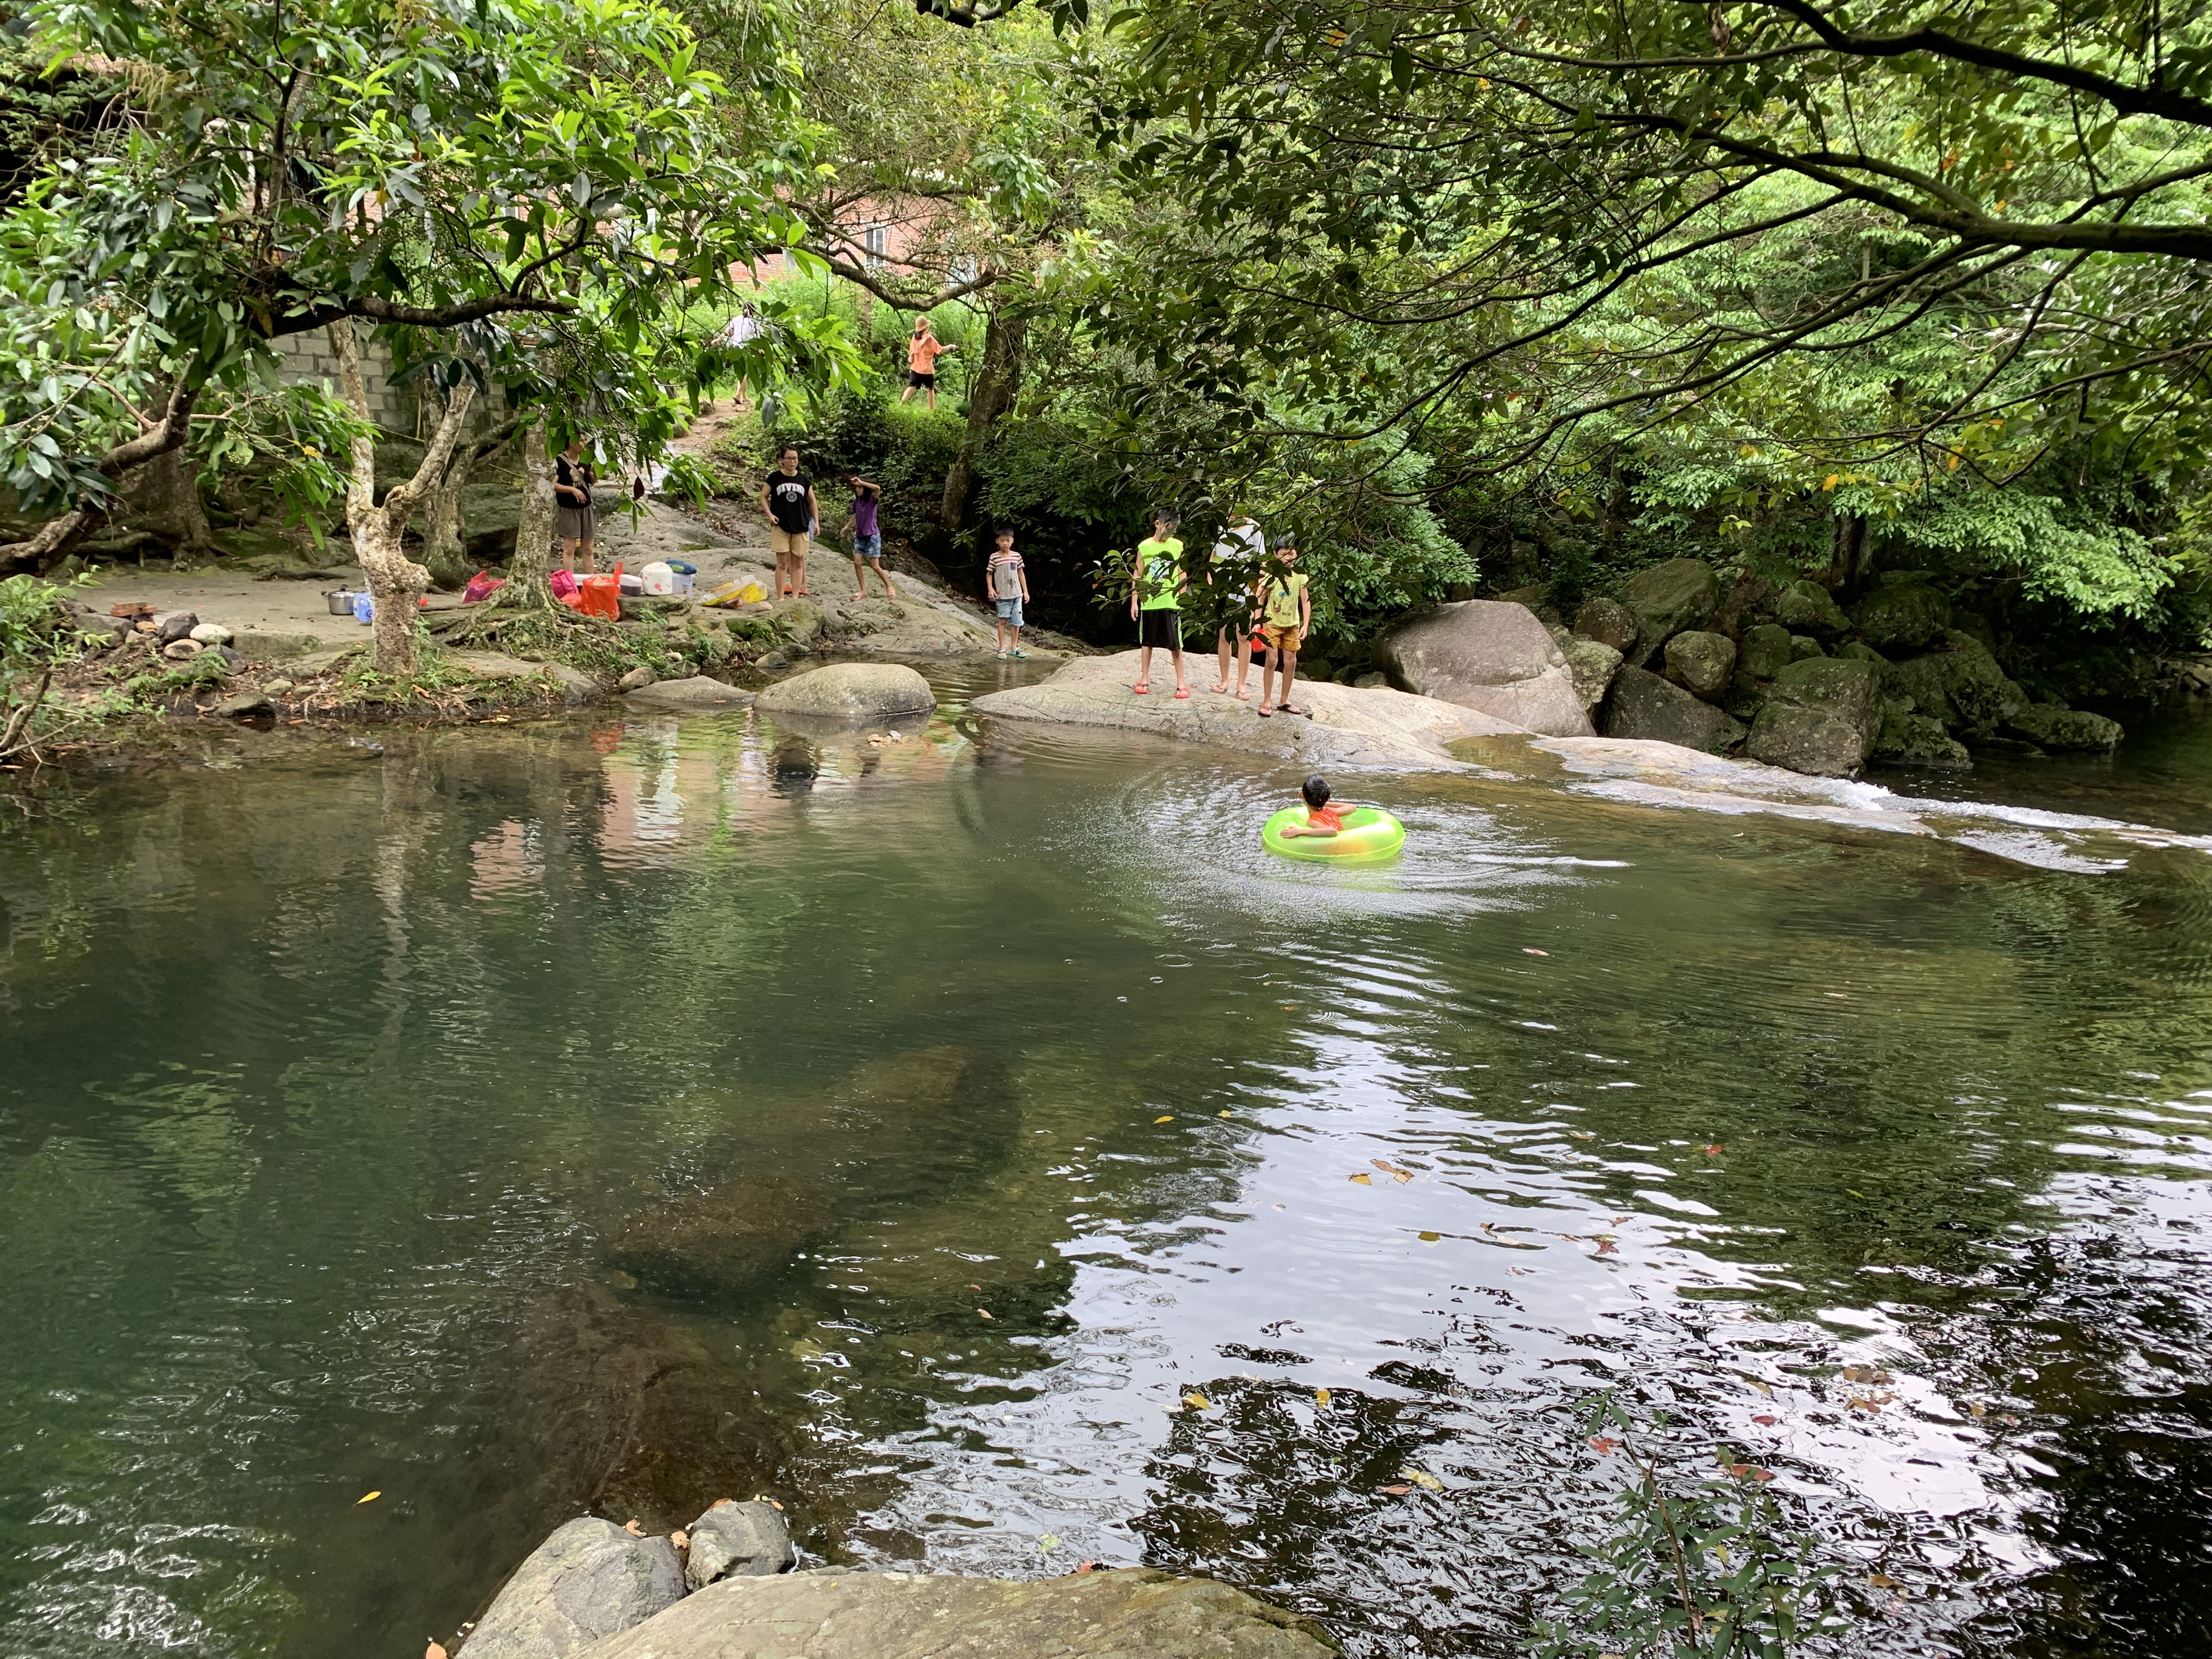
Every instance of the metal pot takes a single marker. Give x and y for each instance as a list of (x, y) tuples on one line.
[(339, 600)]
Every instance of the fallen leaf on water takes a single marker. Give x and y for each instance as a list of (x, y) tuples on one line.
[(2009, 1417), (1582, 1134), (1754, 1383), (1286, 1004), (1164, 1117), (1198, 1402), (435, 1651), (1882, 1581), (1363, 1178), (368, 1497), (1975, 1408), (1712, 1152), (1321, 1398), (1397, 1491), (1603, 1445), (975, 1287), (1867, 1374), (1431, 1238), (1421, 1478), (1531, 951), (1765, 1422), (982, 1313), (1607, 1247), (1403, 1175), (1750, 1471), (1047, 1543), (1224, 1114), (1282, 1206), (1086, 1566), (1518, 1273), (681, 1539), (631, 1526)]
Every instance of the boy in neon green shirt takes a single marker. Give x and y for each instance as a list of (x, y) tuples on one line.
[(1155, 601), (1286, 613)]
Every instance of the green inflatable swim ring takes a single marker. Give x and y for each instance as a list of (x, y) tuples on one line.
[(1370, 835)]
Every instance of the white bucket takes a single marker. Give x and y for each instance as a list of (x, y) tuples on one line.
[(657, 578)]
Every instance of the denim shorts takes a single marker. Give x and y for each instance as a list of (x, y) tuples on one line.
[(867, 547), (1009, 613)]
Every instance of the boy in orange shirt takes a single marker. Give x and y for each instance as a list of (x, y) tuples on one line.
[(922, 352)]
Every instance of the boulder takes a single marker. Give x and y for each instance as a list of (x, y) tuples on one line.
[(697, 692), (1803, 646), (1701, 662), (724, 1239), (1960, 685), (801, 620), (832, 1614), (1370, 681), (1667, 598), (181, 650), (636, 680), (246, 705), (212, 634), (851, 691), (1806, 607), (1495, 658), (1764, 652), (1821, 717), (104, 630), (1902, 616), (174, 625), (1643, 705), (737, 1540), (2052, 727), (589, 1581), (1608, 621), (1910, 740), (1590, 666)]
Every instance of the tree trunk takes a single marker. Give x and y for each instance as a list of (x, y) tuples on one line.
[(162, 497), (395, 582), (533, 533), (997, 378), (1850, 558)]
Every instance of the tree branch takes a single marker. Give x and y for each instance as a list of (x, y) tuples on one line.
[(852, 273)]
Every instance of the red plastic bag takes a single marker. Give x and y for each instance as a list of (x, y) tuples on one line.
[(602, 597), (563, 583), (482, 586)]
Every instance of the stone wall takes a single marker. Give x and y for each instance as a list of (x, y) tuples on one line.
[(308, 359)]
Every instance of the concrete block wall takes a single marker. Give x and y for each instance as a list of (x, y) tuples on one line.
[(308, 360)]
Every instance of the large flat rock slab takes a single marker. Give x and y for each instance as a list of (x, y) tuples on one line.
[(1349, 726), (1126, 1614), (1490, 655)]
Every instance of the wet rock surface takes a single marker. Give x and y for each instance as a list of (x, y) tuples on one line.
[(737, 1540), (851, 691), (698, 692), (896, 1615), (589, 1581), (1642, 707)]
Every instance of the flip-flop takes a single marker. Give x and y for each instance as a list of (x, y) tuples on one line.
[(1243, 696), (1182, 691), (1285, 709), (1222, 690), (1142, 687), (1262, 711), (1024, 655)]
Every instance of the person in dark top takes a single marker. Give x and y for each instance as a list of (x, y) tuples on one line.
[(575, 520), (868, 536), (786, 495)]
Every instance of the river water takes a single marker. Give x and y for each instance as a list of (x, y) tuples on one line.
[(334, 1067)]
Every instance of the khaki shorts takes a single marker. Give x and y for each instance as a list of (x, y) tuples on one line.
[(781, 541), (1278, 639)]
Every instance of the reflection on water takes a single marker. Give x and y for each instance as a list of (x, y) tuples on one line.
[(630, 1113)]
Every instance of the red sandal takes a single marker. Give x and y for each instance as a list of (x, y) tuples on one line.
[(1142, 687)]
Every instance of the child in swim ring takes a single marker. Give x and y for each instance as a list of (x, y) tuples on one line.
[(1324, 816)]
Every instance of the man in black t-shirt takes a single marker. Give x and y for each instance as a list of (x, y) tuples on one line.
[(787, 497)]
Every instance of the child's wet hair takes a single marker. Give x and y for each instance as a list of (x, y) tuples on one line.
[(1316, 790)]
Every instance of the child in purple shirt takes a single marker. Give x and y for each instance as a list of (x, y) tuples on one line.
[(868, 536)]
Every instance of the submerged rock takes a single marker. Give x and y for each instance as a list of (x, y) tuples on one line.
[(851, 691), (897, 1616), (727, 1239), (737, 1540), (1701, 662), (696, 692), (1806, 607), (2052, 727), (1668, 599), (1822, 718), (589, 1581), (1489, 656), (1643, 706)]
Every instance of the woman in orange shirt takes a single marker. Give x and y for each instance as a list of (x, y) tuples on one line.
[(922, 352)]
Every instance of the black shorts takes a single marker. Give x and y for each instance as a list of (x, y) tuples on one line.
[(914, 377), (1161, 627)]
